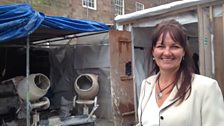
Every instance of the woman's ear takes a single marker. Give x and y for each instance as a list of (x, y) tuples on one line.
[(183, 54)]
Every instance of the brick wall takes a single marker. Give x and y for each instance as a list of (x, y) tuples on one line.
[(10, 1), (130, 5), (74, 9), (102, 13)]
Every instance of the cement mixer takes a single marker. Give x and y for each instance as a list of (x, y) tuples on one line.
[(86, 86), (34, 87), (38, 85)]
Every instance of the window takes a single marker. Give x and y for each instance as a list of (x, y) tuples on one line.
[(139, 6), (119, 7), (128, 69), (89, 4)]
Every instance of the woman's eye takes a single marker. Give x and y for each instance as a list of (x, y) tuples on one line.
[(160, 46), (176, 47)]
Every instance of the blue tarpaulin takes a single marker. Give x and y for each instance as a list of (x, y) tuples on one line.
[(20, 20)]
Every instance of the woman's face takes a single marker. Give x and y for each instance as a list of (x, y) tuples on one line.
[(168, 54)]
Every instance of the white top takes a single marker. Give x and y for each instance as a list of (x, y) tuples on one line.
[(150, 114), (206, 97)]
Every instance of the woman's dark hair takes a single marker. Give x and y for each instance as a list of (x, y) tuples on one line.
[(184, 74)]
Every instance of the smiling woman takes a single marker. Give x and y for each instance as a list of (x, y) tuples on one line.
[(168, 53), (175, 89)]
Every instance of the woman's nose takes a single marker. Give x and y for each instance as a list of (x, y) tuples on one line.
[(167, 51)]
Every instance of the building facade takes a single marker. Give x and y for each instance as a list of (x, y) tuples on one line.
[(97, 10)]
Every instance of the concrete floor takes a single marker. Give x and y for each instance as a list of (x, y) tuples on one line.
[(101, 122)]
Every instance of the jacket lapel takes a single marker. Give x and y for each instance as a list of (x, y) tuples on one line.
[(148, 89), (150, 84), (170, 99)]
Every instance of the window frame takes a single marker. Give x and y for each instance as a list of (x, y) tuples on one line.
[(119, 9), (89, 1), (137, 5)]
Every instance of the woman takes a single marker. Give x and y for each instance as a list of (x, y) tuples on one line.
[(175, 96)]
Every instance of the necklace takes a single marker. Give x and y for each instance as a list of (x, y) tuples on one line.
[(160, 94)]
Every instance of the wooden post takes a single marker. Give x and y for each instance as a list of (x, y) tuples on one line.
[(205, 46), (212, 41), (201, 42)]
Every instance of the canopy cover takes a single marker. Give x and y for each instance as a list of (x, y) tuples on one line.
[(20, 20)]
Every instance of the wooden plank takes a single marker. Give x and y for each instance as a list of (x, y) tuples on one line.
[(212, 40), (218, 24), (122, 89), (221, 80), (201, 42), (219, 52), (207, 42)]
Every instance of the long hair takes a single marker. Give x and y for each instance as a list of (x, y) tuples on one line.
[(184, 73)]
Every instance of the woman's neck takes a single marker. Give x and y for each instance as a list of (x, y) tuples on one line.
[(167, 77)]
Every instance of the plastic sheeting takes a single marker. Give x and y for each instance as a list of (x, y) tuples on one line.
[(20, 20), (68, 62)]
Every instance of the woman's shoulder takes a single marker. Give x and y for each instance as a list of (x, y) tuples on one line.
[(202, 78), (203, 81), (151, 78), (207, 88)]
